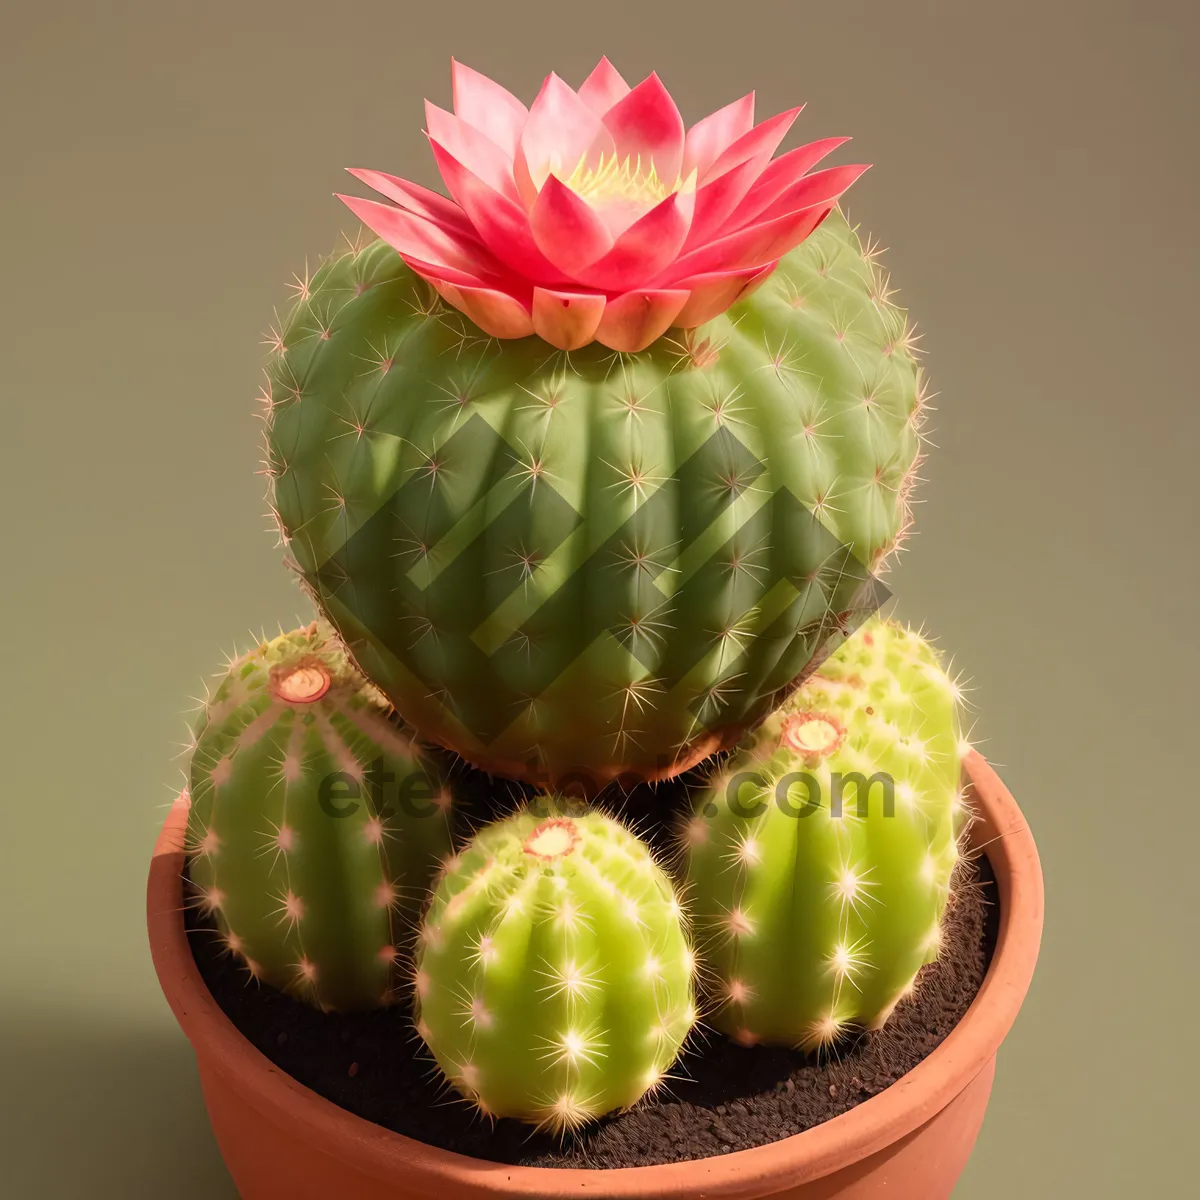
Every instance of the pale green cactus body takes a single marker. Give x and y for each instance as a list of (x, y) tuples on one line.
[(592, 562), (554, 973), (813, 923), (315, 882)]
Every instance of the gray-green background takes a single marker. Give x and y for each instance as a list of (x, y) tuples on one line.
[(166, 166)]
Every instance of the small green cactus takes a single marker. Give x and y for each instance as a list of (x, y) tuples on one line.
[(819, 860), (316, 826), (554, 974)]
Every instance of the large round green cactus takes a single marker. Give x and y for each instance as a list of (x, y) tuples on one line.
[(315, 827), (554, 975), (819, 860), (592, 562)]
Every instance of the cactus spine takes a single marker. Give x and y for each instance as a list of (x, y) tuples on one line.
[(819, 860), (554, 974), (314, 881)]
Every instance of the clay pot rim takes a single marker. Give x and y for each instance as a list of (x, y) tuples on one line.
[(843, 1140)]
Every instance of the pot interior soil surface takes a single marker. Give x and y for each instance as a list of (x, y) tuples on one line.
[(723, 1097)]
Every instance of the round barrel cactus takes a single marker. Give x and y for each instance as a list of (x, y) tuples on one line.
[(819, 860), (554, 973), (585, 562), (316, 826)]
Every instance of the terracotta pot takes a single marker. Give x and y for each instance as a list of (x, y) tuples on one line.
[(284, 1142)]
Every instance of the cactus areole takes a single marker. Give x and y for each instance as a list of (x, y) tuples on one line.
[(589, 463), (302, 683), (552, 839), (812, 735)]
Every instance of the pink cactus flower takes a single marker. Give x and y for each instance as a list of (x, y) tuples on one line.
[(594, 215)]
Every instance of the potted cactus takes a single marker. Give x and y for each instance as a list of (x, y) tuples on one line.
[(598, 834)]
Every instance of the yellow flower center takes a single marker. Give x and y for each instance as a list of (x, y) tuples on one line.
[(613, 178)]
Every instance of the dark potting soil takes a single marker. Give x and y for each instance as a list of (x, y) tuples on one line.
[(727, 1097)]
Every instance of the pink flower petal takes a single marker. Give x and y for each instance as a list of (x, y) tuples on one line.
[(566, 228), (560, 131), (424, 239), (476, 151), (817, 188), (780, 174), (502, 224), (633, 321), (496, 313), (759, 144), (709, 137), (733, 174), (753, 246), (646, 248), (647, 124), (440, 273), (416, 199), (760, 276), (485, 105), (718, 199), (710, 295), (567, 320), (603, 88)]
